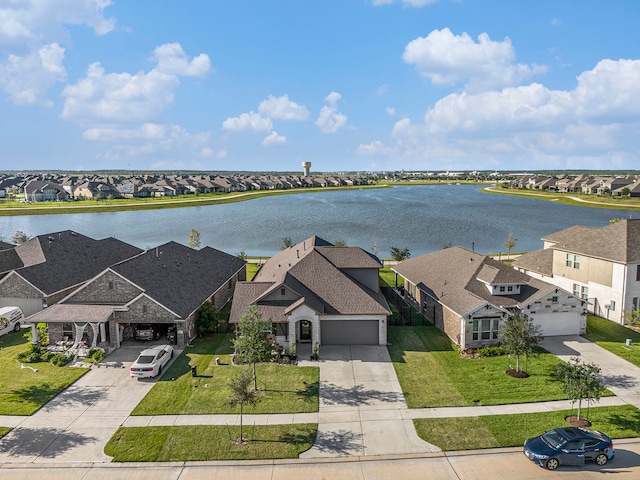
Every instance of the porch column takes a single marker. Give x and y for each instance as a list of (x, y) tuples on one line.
[(103, 333), (34, 333)]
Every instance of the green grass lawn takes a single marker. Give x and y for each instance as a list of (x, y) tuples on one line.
[(492, 431), (214, 442), (285, 388), (433, 374), (4, 431), (612, 336), (22, 391)]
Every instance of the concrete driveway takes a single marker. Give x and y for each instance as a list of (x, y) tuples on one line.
[(77, 423), (620, 376), (361, 405)]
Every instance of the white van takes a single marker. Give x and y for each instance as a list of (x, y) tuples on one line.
[(10, 318)]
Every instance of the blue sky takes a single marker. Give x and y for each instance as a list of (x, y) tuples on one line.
[(349, 85)]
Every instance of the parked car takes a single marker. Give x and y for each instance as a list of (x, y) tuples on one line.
[(151, 361), (145, 331), (569, 446)]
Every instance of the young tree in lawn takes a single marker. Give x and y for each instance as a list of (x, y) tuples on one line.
[(194, 239), (400, 254), (242, 394), (511, 242), (581, 381), (251, 343), (520, 336)]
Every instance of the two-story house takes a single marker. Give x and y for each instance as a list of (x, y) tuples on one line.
[(601, 265)]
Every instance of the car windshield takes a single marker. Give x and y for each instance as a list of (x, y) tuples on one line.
[(553, 439), (145, 359)]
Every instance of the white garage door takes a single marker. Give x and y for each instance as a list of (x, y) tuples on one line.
[(349, 332), (559, 324)]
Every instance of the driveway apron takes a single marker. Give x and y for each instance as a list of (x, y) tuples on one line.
[(619, 375), (78, 422), (361, 406)]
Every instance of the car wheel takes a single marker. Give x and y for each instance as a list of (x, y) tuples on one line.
[(171, 355), (17, 327), (602, 459), (159, 370), (552, 463)]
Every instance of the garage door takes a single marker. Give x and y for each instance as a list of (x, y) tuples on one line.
[(559, 324), (349, 332)]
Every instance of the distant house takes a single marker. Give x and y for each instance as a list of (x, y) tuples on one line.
[(44, 191), (47, 268), (317, 292), (600, 265), (469, 296), (164, 286)]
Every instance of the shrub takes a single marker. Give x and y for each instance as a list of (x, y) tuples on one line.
[(493, 351), (60, 359), (95, 355)]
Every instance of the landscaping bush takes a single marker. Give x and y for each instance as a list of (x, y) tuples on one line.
[(32, 354), (60, 359), (493, 351), (95, 355)]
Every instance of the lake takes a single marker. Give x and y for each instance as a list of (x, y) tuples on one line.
[(424, 218)]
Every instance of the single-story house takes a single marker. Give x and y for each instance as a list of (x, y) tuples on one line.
[(469, 296), (165, 286), (317, 292)]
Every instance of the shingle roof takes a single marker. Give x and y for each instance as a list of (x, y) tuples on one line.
[(316, 271), (179, 277), (451, 277), (539, 261), (61, 260), (617, 242)]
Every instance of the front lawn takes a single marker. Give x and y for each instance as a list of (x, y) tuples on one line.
[(23, 391), (4, 431), (285, 388), (209, 442), (492, 431), (433, 374), (613, 336)]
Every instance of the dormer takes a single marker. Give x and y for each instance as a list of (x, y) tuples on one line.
[(500, 281)]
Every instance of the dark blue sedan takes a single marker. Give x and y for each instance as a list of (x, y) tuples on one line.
[(569, 446)]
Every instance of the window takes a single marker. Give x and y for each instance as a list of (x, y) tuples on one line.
[(584, 292), (572, 261), (485, 328), (502, 289), (67, 330), (554, 299), (110, 285), (612, 305), (637, 273), (283, 291), (634, 303), (576, 289), (144, 308), (510, 288)]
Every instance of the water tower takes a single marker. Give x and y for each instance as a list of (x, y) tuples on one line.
[(306, 166)]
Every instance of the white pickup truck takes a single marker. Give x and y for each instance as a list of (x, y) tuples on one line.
[(10, 318)]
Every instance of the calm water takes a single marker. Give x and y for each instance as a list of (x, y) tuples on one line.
[(422, 218)]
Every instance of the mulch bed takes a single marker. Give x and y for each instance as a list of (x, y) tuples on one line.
[(577, 422), (517, 374)]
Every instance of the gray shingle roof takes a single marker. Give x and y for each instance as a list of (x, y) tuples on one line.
[(61, 260), (539, 261), (179, 277), (617, 242), (451, 277)]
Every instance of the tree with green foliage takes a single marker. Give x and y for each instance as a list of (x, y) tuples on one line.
[(340, 243), (632, 317), (242, 255), (242, 394), (287, 243), (511, 242), (208, 319), (194, 239), (19, 238), (581, 381), (251, 344), (400, 254), (520, 337)]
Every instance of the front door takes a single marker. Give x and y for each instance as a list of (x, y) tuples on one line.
[(305, 331)]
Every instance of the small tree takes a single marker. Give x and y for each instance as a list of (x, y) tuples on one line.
[(208, 319), (251, 343), (511, 242), (632, 317), (242, 394), (19, 238), (286, 243), (400, 254), (242, 255), (520, 336), (580, 381), (194, 239)]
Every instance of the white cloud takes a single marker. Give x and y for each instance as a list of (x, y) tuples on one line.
[(374, 148), (330, 120), (252, 122), (26, 79), (274, 139), (411, 3), (390, 111), (172, 60), (532, 122), (281, 108), (26, 22), (125, 97), (447, 59)]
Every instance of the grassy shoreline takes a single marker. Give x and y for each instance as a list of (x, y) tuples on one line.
[(575, 199)]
